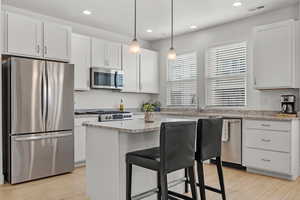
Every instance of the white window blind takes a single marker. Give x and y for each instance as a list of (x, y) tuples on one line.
[(182, 80), (226, 75)]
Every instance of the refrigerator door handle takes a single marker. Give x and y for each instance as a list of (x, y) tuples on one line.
[(41, 137), (44, 97)]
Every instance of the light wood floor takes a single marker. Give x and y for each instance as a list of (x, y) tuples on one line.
[(239, 184)]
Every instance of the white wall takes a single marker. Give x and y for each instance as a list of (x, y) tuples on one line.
[(231, 32), (97, 98)]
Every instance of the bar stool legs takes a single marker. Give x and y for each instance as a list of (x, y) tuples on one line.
[(128, 180), (201, 180), (159, 187), (186, 183), (202, 185), (191, 173), (221, 177), (164, 185)]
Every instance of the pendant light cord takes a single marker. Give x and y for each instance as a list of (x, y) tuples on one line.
[(135, 20), (172, 23)]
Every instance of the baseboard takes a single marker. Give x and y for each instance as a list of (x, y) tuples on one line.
[(80, 164), (1, 179), (272, 174)]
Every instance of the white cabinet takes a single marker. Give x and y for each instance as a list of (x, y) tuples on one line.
[(149, 75), (81, 58), (274, 56), (80, 140), (271, 147), (141, 72), (106, 54), (23, 35), (131, 70), (57, 41), (79, 144), (31, 37)]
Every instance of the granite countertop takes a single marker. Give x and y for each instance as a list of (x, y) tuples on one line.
[(258, 115), (136, 125)]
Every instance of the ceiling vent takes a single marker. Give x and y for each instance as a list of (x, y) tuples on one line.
[(256, 8)]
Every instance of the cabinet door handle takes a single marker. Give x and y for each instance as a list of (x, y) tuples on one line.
[(265, 160), (266, 125), (265, 140), (45, 50)]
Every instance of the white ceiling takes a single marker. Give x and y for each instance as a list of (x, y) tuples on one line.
[(117, 15)]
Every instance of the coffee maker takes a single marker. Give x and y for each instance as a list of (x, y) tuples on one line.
[(288, 103)]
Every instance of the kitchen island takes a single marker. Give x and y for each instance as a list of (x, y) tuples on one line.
[(106, 146)]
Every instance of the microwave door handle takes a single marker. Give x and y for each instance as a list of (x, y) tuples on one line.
[(116, 79)]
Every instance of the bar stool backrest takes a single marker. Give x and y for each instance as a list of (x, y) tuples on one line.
[(209, 138), (177, 145)]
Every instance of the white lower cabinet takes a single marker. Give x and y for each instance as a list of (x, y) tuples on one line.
[(271, 147), (80, 140), (79, 144)]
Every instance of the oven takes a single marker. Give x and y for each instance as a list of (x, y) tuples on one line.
[(103, 78)]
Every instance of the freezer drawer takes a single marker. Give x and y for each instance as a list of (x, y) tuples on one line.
[(36, 156)]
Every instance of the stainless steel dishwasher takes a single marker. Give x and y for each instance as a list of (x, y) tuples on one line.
[(232, 141)]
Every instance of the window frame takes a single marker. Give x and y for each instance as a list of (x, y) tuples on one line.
[(245, 75), (196, 81)]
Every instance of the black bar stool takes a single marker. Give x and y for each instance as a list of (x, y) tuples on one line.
[(209, 142), (176, 151)]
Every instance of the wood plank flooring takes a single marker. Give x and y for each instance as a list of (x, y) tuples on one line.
[(239, 185)]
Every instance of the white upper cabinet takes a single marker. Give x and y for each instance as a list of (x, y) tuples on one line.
[(98, 53), (31, 37), (106, 54), (81, 58), (57, 41), (274, 57), (23, 35), (131, 70), (149, 73), (141, 74)]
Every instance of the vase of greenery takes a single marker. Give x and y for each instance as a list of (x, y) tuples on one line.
[(149, 116)]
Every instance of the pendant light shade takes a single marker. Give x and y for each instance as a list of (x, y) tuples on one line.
[(172, 52), (134, 46)]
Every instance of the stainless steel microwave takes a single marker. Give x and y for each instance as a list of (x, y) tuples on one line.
[(103, 78)]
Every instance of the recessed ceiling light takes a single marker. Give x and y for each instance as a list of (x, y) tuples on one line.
[(149, 31), (87, 12), (237, 4), (193, 27)]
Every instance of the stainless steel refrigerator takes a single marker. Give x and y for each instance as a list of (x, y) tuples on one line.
[(38, 118)]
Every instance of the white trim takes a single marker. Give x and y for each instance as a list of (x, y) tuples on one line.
[(1, 179)]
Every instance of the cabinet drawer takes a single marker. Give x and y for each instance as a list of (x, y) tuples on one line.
[(268, 140), (267, 160), (79, 121), (268, 125)]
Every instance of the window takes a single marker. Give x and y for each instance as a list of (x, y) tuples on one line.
[(182, 81), (226, 75)]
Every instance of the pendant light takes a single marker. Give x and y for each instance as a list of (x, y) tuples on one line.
[(172, 52), (134, 46)]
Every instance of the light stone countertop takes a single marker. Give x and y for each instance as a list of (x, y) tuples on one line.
[(136, 125), (258, 116)]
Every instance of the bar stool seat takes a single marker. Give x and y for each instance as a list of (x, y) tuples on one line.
[(148, 158), (176, 152)]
